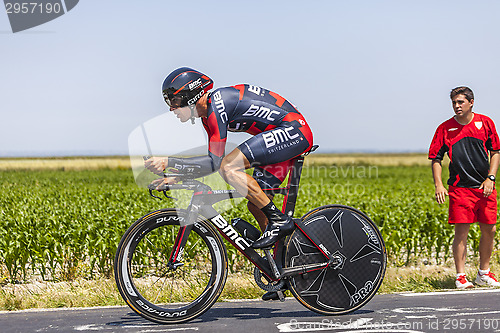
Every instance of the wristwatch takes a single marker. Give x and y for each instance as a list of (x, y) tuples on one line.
[(492, 178)]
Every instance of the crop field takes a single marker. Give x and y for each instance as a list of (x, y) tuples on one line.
[(63, 221)]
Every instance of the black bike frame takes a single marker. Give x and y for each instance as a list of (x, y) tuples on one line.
[(204, 198)]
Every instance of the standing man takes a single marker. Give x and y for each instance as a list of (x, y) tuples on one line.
[(467, 138)]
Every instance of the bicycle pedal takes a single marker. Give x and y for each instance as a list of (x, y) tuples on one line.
[(281, 295)]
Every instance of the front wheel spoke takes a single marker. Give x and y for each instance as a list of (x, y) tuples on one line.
[(172, 282), (160, 289), (158, 279), (194, 245), (148, 255), (151, 263), (180, 284), (154, 247)]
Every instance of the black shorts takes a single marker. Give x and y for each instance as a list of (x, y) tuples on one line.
[(271, 153)]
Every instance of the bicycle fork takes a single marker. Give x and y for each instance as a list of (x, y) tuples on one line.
[(175, 259)]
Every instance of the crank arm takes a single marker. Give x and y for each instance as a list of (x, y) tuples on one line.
[(272, 263)]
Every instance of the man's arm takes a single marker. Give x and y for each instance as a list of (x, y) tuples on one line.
[(441, 191), (494, 162), (197, 166), (488, 185)]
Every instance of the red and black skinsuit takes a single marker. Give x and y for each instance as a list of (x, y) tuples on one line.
[(279, 131)]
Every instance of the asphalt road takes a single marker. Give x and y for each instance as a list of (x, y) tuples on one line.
[(453, 311)]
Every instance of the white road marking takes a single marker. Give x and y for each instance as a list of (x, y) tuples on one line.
[(90, 327), (473, 313), (454, 315), (171, 329), (434, 310), (382, 331), (93, 327), (422, 310), (451, 292), (67, 309)]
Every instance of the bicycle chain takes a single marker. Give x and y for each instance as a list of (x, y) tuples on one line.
[(270, 286)]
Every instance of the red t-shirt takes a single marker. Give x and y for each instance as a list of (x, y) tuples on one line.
[(467, 147)]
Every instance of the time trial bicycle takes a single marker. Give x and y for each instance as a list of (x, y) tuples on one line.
[(171, 264)]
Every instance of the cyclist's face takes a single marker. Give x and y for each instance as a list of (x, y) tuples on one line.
[(174, 102), (184, 113)]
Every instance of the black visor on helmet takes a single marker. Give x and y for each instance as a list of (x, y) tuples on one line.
[(173, 101)]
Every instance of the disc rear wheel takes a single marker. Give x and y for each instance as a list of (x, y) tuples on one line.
[(354, 240)]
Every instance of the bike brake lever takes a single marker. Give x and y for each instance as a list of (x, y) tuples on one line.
[(164, 193), (167, 196), (154, 196)]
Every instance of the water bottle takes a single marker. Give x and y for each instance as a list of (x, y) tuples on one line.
[(245, 229)]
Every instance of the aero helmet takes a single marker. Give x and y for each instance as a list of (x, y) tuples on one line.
[(185, 86)]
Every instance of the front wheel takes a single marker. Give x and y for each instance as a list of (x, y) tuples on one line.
[(352, 238), (161, 291)]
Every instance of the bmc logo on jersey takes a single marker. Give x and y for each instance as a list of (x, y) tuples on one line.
[(219, 105), (278, 136), (260, 112)]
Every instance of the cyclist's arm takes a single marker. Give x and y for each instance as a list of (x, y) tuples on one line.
[(197, 166), (216, 127)]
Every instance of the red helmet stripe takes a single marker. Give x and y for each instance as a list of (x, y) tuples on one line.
[(183, 73), (181, 88)]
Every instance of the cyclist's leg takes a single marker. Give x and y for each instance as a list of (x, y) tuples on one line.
[(274, 146), (233, 171), (268, 176), (259, 214)]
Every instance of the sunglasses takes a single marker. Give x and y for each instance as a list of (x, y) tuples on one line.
[(173, 101)]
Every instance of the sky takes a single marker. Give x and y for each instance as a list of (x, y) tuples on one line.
[(369, 76)]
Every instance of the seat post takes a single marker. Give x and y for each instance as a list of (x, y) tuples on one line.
[(293, 182), (293, 186)]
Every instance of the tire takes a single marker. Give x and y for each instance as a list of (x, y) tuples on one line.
[(165, 295), (350, 234)]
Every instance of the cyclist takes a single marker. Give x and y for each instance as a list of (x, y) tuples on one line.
[(279, 131)]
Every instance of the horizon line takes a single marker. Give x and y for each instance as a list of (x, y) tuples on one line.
[(66, 154)]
